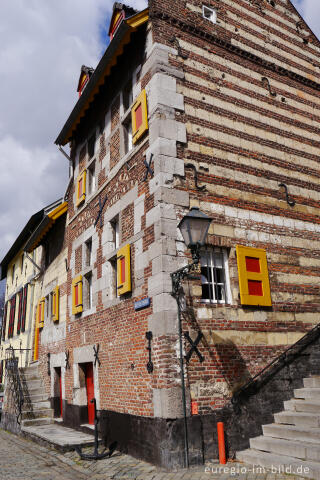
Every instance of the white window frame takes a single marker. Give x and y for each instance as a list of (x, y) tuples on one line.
[(206, 254), (212, 12)]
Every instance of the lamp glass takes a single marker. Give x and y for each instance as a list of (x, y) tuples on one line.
[(194, 227)]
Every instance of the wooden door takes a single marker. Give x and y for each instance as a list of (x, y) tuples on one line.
[(90, 392)]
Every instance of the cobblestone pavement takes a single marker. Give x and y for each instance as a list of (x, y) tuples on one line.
[(21, 459)]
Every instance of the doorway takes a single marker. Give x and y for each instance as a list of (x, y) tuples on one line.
[(58, 391), (88, 371)]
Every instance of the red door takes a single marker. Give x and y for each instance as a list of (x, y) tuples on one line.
[(58, 371), (90, 392), (60, 392)]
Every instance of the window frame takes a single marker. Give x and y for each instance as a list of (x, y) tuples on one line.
[(212, 11), (226, 283)]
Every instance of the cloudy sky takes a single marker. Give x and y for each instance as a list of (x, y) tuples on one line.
[(43, 45)]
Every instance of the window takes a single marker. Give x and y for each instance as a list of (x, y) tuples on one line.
[(48, 305), (88, 291), (115, 231), (91, 178), (91, 146), (13, 271), (20, 310), (22, 262), (127, 95), (127, 134), (209, 13), (24, 308), (88, 252), (113, 285), (214, 275)]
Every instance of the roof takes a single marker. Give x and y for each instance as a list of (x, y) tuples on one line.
[(49, 217), (103, 70), (20, 241)]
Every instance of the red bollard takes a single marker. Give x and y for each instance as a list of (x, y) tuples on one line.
[(221, 444)]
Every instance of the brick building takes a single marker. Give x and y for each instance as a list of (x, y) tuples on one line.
[(22, 289), (211, 104)]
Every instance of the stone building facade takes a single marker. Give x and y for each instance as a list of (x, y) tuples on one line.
[(194, 104)]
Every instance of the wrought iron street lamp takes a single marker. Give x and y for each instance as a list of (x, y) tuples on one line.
[(194, 229)]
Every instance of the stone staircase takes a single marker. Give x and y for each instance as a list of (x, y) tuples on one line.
[(293, 441), (36, 409)]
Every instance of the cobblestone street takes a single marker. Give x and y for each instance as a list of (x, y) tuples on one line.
[(26, 460)]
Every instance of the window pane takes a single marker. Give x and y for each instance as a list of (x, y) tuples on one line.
[(213, 276)]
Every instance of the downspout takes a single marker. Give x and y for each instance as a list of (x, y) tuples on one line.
[(183, 386)]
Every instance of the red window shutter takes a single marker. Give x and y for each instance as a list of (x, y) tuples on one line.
[(123, 269), (12, 315), (20, 294), (24, 308), (4, 321), (80, 187), (253, 264), (76, 294), (138, 117), (255, 288)]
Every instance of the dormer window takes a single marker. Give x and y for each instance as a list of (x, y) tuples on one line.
[(209, 13), (85, 75), (120, 12)]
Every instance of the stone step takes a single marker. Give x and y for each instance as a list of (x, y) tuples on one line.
[(304, 451), (33, 414), (313, 393), (312, 382), (37, 422), (291, 432), (34, 384), (30, 369), (59, 437), (278, 463), (29, 376), (35, 398), (298, 418), (36, 406), (300, 405)]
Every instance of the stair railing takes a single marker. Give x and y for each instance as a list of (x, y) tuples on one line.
[(286, 357), (14, 383)]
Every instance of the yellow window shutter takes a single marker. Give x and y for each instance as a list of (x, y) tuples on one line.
[(77, 305), (124, 270), (139, 117), (42, 304), (253, 276), (81, 188), (55, 304)]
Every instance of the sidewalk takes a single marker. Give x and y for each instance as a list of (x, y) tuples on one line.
[(124, 467), (22, 459)]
